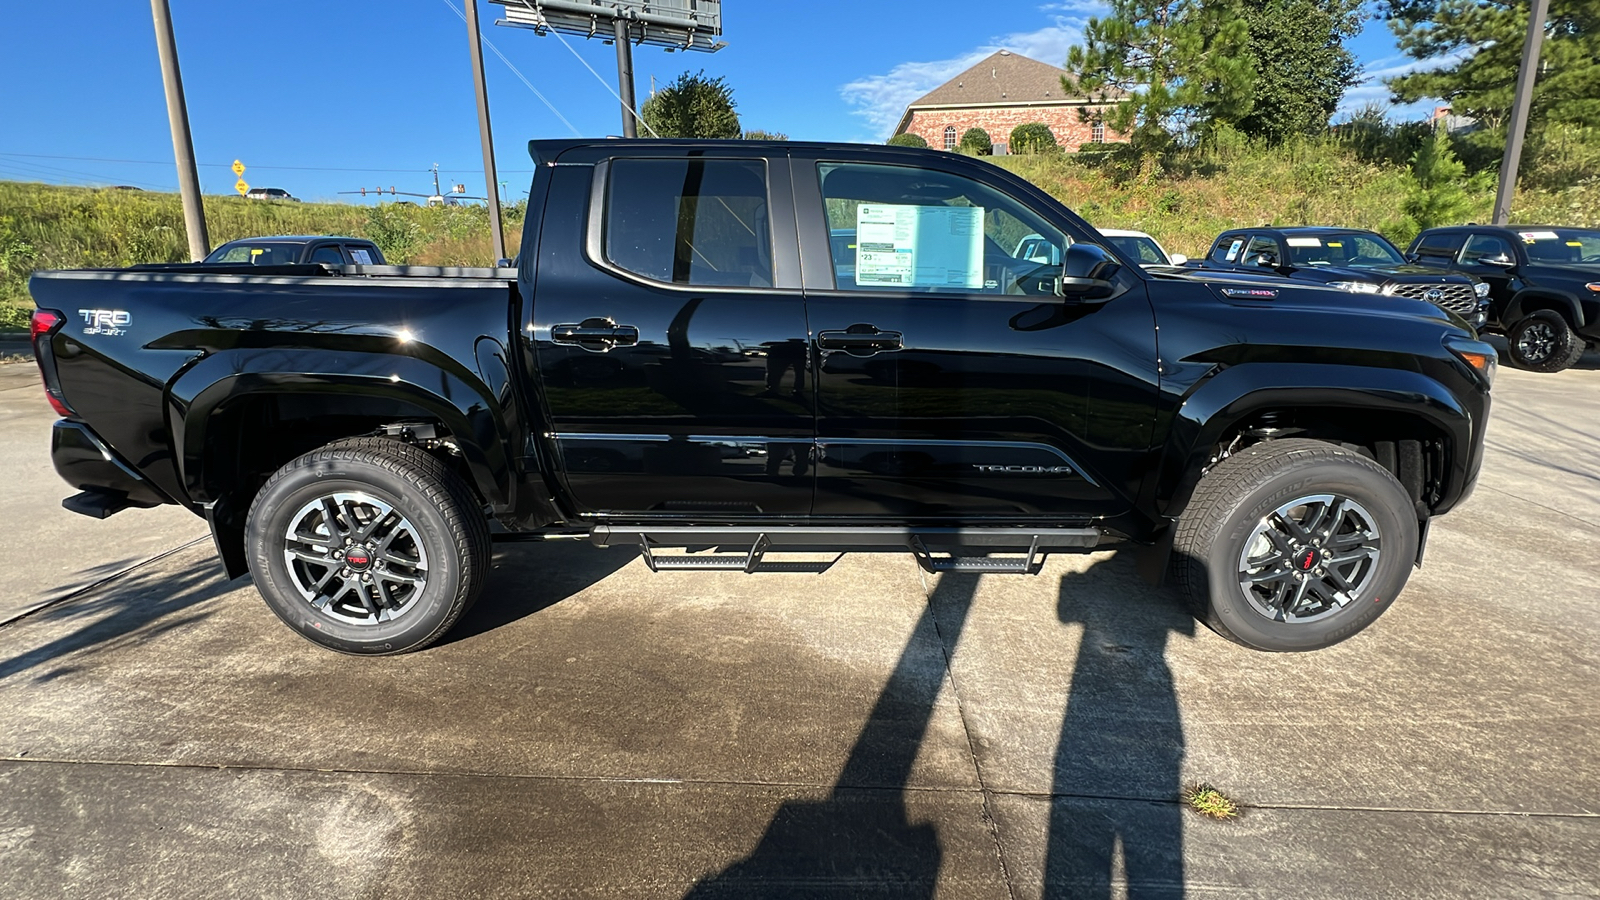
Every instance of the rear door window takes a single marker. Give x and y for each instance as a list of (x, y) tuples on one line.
[(690, 221), (1438, 247), (1229, 249)]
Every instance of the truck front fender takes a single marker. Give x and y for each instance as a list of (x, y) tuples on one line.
[(1222, 402), (465, 406), (1533, 299)]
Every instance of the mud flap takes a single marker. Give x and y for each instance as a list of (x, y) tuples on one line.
[(227, 533)]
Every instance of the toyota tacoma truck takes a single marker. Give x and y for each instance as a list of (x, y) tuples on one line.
[(1352, 260), (688, 363), (1544, 285)]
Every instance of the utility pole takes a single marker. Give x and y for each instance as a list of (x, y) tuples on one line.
[(194, 216), (1518, 125), (497, 236), (619, 31)]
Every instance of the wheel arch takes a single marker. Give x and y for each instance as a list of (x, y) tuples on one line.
[(1532, 300)]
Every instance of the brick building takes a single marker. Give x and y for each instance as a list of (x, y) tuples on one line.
[(998, 94)]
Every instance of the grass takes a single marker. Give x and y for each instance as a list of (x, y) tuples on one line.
[(1197, 195), (1209, 802)]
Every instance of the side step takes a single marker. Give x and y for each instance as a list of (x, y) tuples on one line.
[(956, 545)]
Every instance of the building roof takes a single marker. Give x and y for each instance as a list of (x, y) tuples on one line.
[(1002, 78)]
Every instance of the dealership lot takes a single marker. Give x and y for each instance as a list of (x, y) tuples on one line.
[(591, 729)]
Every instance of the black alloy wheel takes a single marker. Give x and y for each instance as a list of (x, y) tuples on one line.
[(1542, 341), (1294, 544), (368, 546)]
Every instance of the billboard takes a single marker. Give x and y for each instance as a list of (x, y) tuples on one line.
[(674, 24)]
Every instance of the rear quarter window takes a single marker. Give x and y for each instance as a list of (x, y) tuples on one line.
[(689, 221)]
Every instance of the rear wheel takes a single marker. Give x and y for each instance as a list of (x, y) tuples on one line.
[(1295, 545), (368, 546), (1542, 341)]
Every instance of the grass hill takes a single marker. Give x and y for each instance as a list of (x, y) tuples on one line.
[(1184, 204)]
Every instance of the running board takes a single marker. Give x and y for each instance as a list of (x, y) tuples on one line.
[(924, 543)]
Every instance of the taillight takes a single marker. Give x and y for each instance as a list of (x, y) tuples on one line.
[(44, 324)]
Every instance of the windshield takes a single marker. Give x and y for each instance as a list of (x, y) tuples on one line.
[(1141, 248), (1561, 245), (1357, 250), (256, 253)]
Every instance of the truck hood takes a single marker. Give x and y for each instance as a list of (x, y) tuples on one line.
[(1301, 293)]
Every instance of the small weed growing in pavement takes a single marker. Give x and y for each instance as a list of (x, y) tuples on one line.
[(1210, 802)]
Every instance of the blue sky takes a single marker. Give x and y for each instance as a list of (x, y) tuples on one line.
[(323, 97)]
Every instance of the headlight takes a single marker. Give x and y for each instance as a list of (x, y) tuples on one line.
[(1355, 287), (1481, 289)]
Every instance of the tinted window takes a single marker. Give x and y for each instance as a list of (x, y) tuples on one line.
[(328, 253), (256, 254), (1442, 244), (1229, 249), (1486, 246), (1142, 249), (1358, 250), (1565, 245), (690, 221), (923, 230), (1259, 245)]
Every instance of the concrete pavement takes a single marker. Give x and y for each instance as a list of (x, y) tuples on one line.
[(591, 729)]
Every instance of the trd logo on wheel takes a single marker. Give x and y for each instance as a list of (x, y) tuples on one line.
[(1308, 560)]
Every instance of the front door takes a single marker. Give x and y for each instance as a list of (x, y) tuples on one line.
[(670, 333), (952, 382)]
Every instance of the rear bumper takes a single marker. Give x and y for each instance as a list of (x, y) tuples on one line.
[(88, 464)]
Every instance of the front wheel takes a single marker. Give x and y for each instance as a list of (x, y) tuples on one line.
[(1295, 544), (1542, 341), (368, 546)]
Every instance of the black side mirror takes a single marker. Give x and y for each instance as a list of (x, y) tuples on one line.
[(1502, 261), (1088, 273), (1265, 260)]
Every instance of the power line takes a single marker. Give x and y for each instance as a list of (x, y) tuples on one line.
[(603, 83), (168, 162), (518, 72)]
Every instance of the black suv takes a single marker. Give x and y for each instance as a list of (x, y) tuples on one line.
[(1361, 262), (1544, 285)]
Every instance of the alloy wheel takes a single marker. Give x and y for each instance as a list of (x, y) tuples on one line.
[(355, 558), (1310, 558), (1537, 342)]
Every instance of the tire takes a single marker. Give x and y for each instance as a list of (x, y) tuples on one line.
[(1236, 527), (425, 541), (1542, 341)]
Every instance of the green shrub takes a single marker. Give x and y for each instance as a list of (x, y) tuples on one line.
[(908, 139), (976, 142), (1033, 137)]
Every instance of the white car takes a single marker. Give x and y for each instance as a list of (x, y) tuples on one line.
[(1142, 247)]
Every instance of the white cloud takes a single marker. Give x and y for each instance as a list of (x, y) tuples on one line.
[(1371, 88), (882, 99)]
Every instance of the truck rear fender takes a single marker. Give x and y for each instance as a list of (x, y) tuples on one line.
[(1368, 406)]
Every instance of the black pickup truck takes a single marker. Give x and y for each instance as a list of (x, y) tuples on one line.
[(686, 359), (1350, 259), (1544, 285)]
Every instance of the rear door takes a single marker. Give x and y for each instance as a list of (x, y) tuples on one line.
[(952, 383), (670, 335)]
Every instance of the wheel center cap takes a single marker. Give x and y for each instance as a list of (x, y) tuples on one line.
[(358, 557), (1307, 558)]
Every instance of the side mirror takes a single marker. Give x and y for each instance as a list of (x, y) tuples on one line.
[(1500, 262), (1265, 260), (1178, 259), (1088, 273)]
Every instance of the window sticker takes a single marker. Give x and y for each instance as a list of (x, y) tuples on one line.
[(1574, 243), (1234, 248), (1531, 236), (361, 256), (1335, 243), (919, 246), (1305, 242)]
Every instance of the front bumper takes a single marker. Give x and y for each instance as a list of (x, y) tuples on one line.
[(88, 464)]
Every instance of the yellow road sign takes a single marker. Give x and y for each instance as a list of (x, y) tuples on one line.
[(238, 168), (240, 186)]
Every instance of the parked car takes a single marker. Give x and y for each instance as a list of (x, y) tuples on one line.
[(1544, 285), (696, 369), (289, 250), (266, 193), (1141, 247), (1360, 262)]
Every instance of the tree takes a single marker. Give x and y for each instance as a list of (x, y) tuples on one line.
[(756, 134), (976, 141), (1302, 66), (907, 139), (1480, 44), (1166, 66), (693, 106), (1032, 137), (1437, 197)]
